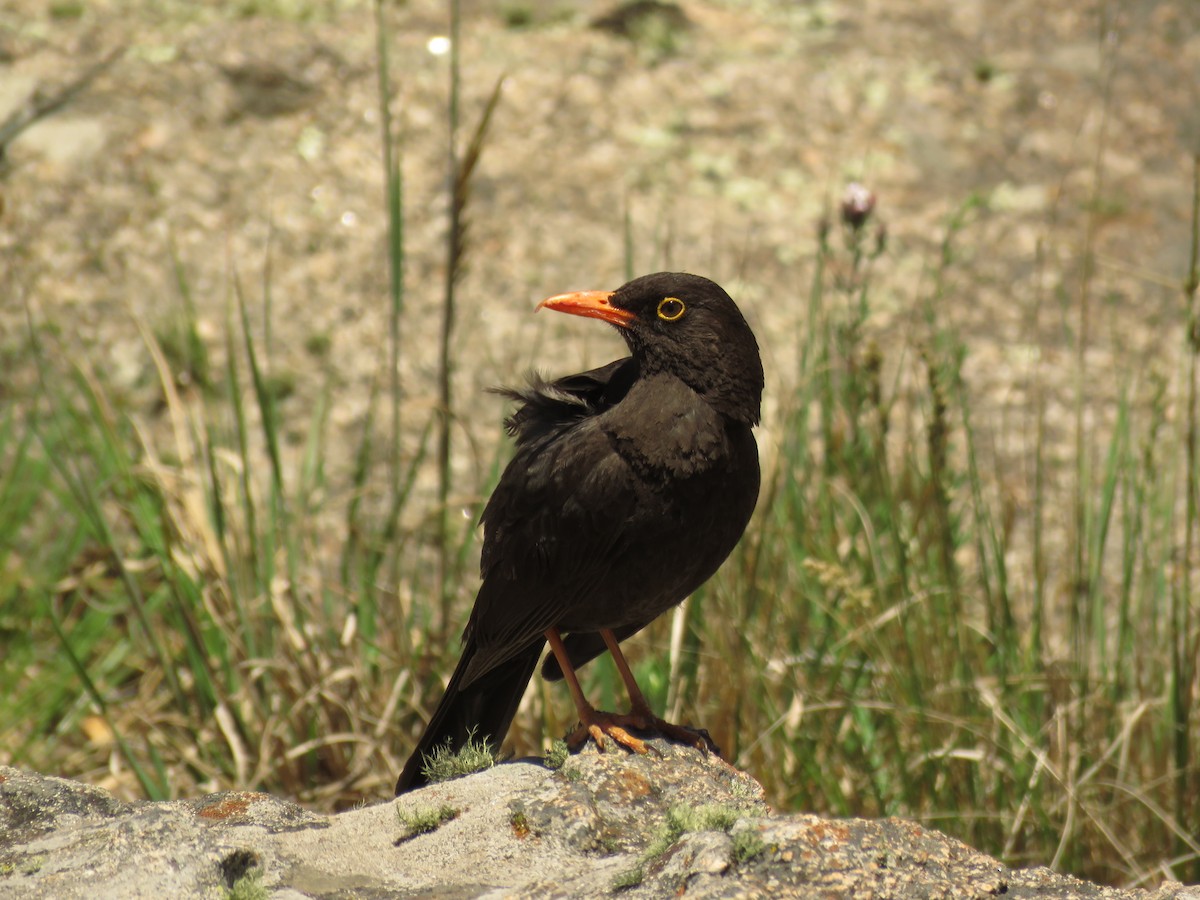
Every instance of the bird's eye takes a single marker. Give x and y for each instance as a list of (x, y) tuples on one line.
[(670, 309)]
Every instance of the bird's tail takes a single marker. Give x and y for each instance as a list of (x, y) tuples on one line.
[(483, 709)]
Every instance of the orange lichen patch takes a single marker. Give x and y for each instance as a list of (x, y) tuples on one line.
[(226, 809), (823, 831), (632, 785)]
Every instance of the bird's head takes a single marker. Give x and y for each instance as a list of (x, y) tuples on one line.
[(686, 326)]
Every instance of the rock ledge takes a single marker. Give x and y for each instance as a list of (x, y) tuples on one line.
[(605, 824)]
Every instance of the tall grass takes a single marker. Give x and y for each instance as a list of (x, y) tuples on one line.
[(461, 167), (895, 653), (907, 642)]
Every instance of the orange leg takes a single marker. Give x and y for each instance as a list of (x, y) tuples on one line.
[(641, 716), (637, 700), (593, 722)]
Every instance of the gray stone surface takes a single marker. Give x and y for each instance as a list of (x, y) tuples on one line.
[(521, 830)]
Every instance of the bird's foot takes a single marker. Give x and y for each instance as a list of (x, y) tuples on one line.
[(600, 725)]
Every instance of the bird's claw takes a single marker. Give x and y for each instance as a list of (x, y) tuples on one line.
[(601, 725), (682, 734)]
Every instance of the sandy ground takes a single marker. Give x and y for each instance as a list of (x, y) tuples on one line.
[(725, 141)]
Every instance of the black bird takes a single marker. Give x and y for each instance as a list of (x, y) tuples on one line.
[(630, 485)]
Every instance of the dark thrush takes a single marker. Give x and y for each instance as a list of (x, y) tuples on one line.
[(630, 485)]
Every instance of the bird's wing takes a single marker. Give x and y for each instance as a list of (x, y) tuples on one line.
[(567, 529), (552, 528)]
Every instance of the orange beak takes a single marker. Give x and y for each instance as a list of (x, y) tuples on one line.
[(592, 304)]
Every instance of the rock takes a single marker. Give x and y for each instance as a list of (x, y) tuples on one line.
[(653, 826)]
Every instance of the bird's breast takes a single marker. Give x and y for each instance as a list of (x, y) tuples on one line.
[(611, 519), (695, 475)]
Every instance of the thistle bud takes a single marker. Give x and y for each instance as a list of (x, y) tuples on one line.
[(857, 204)]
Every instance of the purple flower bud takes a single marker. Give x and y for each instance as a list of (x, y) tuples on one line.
[(857, 204)]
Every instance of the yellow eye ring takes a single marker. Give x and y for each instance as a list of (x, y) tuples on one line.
[(671, 308)]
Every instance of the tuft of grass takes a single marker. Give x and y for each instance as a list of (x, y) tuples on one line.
[(557, 755), (424, 819), (318, 344), (984, 70), (517, 15), (658, 30), (630, 878), (444, 764), (573, 774), (747, 846), (248, 887)]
